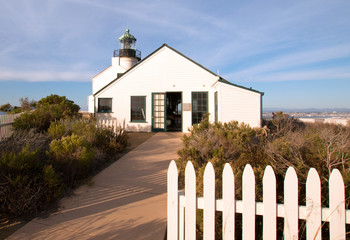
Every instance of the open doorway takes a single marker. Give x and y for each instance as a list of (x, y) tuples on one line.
[(174, 111)]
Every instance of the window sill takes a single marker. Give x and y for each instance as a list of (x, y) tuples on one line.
[(138, 122), (104, 112)]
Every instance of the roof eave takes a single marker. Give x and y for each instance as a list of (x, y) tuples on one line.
[(222, 80)]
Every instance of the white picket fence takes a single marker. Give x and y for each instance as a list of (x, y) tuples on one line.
[(6, 122), (182, 205), (111, 124)]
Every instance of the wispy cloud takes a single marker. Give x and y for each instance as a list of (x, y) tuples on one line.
[(45, 76), (283, 27), (298, 75), (269, 37), (280, 65), (164, 16)]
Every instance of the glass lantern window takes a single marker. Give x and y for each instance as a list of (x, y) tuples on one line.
[(127, 44)]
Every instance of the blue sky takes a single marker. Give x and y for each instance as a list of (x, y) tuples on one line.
[(296, 52)]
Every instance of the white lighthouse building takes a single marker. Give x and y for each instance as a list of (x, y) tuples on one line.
[(123, 59), (167, 91)]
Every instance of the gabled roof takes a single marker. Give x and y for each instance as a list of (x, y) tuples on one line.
[(101, 71), (236, 85), (131, 69), (166, 45)]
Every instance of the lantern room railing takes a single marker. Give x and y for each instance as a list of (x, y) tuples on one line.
[(127, 53)]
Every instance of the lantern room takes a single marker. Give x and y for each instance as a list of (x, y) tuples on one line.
[(127, 46)]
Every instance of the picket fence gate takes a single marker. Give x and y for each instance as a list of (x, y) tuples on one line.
[(6, 122), (182, 205)]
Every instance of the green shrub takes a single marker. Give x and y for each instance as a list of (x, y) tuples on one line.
[(6, 107), (66, 108), (119, 141), (102, 138), (50, 153), (28, 183), (58, 129), (219, 143), (72, 156), (284, 142), (233, 143), (48, 110), (109, 141)]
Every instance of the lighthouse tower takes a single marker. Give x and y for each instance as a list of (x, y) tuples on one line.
[(127, 55), (123, 59)]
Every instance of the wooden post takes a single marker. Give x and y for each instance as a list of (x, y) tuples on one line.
[(336, 206), (228, 197), (248, 195), (291, 207), (191, 202), (173, 206), (270, 204), (209, 203), (313, 205)]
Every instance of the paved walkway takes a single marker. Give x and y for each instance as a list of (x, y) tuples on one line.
[(126, 201)]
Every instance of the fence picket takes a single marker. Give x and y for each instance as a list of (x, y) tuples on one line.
[(291, 206), (173, 202), (336, 205), (108, 123), (313, 205), (228, 197), (270, 204), (248, 199), (191, 202), (209, 203)]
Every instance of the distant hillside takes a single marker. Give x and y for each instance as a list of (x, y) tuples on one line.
[(321, 110)]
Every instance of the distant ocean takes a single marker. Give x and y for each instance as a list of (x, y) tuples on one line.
[(2, 113)]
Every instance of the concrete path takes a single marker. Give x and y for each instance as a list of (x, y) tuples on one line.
[(126, 201)]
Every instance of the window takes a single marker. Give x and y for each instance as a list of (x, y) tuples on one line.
[(104, 105), (199, 106), (138, 108)]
